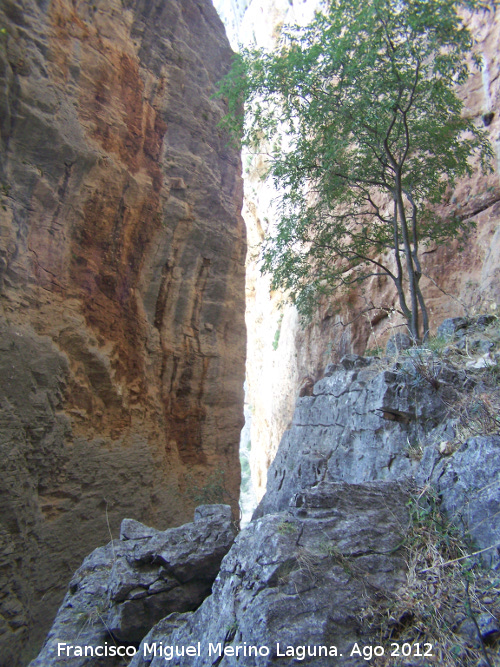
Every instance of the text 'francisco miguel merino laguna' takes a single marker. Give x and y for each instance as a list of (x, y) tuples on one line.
[(169, 652)]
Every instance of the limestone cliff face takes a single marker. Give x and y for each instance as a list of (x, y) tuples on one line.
[(283, 356), (122, 256)]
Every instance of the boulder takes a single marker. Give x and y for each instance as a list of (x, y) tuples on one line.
[(123, 589), (398, 343), (299, 578), (469, 486), (450, 327)]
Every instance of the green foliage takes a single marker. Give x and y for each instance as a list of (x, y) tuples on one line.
[(374, 351), (363, 131), (286, 528), (277, 333)]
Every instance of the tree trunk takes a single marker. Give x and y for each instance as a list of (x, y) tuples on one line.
[(409, 262)]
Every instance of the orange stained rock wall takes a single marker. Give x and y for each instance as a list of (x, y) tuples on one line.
[(122, 253)]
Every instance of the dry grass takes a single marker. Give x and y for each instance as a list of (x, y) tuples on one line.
[(446, 590), (447, 594), (472, 395)]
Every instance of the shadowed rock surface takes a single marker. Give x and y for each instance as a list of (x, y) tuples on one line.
[(122, 255), (127, 586)]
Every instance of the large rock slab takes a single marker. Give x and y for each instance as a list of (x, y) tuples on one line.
[(123, 589), (469, 486), (364, 423), (298, 578), (360, 424)]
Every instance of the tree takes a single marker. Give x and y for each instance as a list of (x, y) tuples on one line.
[(360, 117)]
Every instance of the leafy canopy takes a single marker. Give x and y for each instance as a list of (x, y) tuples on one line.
[(359, 116)]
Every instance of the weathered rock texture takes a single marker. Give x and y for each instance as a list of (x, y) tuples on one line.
[(298, 578), (359, 425), (329, 548), (468, 484), (456, 282), (127, 586), (362, 423), (122, 285)]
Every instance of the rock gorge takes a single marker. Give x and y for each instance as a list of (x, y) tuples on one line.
[(122, 253), (122, 262)]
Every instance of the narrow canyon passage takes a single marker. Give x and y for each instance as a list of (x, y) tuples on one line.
[(146, 366)]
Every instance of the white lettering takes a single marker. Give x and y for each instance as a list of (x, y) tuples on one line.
[(355, 650), (215, 649), (149, 649)]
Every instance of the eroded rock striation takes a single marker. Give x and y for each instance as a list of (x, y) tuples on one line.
[(122, 256)]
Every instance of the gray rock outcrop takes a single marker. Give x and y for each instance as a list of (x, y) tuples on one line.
[(328, 546), (299, 578), (361, 424), (123, 589), (468, 484)]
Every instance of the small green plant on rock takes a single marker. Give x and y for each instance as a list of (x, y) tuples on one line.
[(374, 352), (286, 527)]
